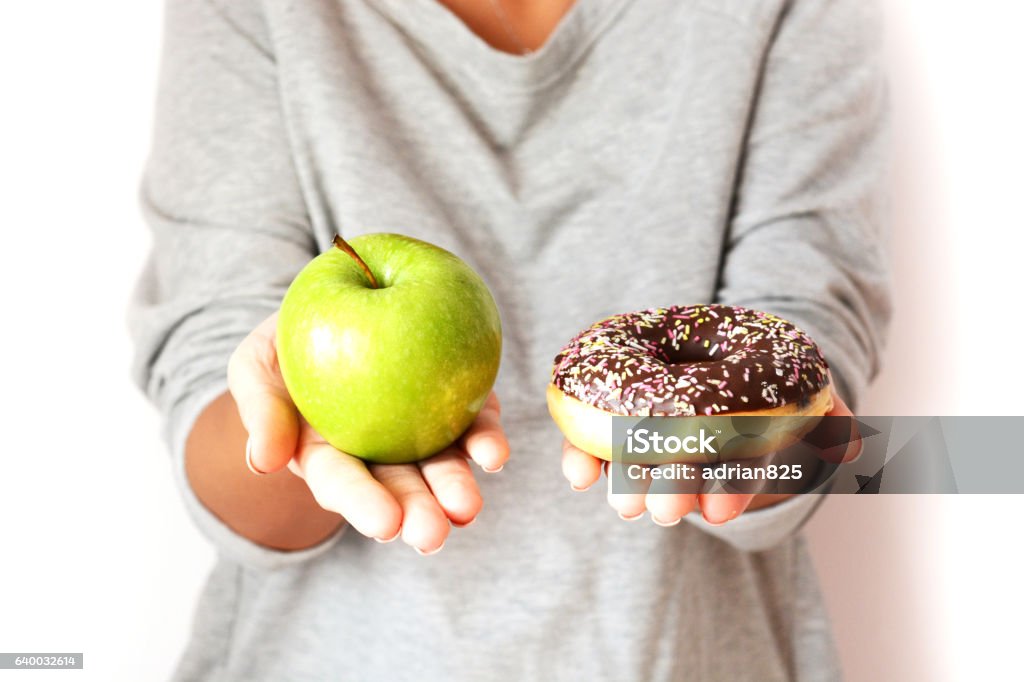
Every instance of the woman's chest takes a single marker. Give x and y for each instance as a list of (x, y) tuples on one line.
[(607, 187)]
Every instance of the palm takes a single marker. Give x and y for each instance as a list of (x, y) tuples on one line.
[(415, 500), (419, 501), (583, 470)]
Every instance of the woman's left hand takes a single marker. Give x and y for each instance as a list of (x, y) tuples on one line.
[(583, 470)]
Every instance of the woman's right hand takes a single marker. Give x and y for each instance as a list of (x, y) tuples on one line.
[(418, 501)]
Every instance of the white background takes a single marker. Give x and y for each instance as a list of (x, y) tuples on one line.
[(96, 553)]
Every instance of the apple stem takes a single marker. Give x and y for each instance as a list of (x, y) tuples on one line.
[(347, 248)]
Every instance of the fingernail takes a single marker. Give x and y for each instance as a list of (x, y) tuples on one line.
[(394, 537), (464, 525), (630, 518), (248, 458), (433, 551), (493, 471), (715, 523), (578, 489), (659, 522)]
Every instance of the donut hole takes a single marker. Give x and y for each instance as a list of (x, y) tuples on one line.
[(687, 354)]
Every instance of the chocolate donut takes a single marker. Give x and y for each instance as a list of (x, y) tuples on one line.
[(685, 361)]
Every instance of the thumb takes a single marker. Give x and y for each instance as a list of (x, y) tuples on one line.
[(839, 433), (266, 409)]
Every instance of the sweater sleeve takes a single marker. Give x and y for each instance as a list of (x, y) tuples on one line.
[(228, 223), (806, 239)]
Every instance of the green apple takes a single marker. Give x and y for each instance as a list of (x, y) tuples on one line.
[(388, 346)]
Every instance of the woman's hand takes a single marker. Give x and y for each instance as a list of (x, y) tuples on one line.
[(382, 501), (583, 470)]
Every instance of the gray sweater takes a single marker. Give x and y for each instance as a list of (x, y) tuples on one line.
[(654, 152)]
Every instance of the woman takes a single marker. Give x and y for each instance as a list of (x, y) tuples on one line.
[(587, 159)]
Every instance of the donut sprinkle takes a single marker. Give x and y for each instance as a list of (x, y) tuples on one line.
[(691, 360)]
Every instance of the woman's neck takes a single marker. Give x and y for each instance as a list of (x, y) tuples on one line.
[(514, 26)]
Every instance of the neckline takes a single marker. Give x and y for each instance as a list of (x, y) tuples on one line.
[(441, 33)]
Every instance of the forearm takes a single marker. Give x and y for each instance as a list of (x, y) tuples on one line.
[(276, 510)]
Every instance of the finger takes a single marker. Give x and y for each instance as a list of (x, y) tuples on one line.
[(424, 524), (729, 499), (669, 500), (266, 410), (842, 421), (451, 481), (856, 445), (841, 409), (485, 441), (581, 469), (668, 509), (631, 505), (342, 484), (718, 508)]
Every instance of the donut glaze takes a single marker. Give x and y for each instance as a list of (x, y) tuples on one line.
[(691, 360)]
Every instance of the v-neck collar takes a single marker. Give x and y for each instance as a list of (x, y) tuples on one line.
[(442, 34)]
